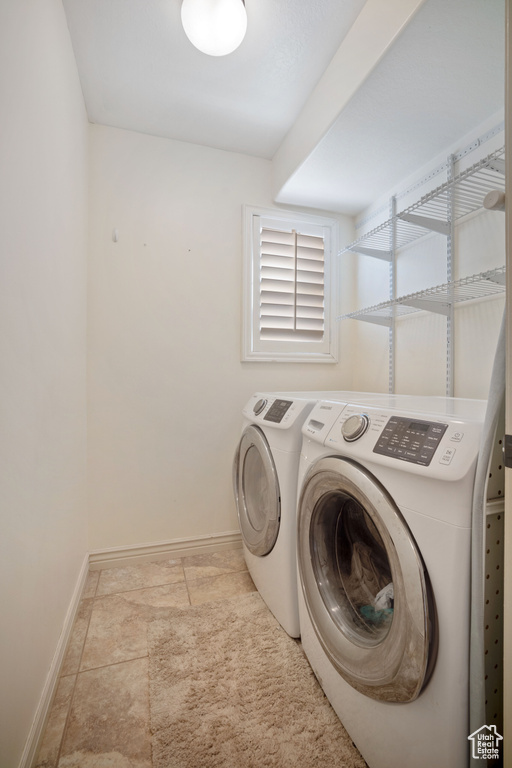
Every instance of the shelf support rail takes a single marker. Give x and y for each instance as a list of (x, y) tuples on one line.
[(450, 317), (392, 296)]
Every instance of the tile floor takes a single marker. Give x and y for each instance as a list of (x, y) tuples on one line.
[(100, 714)]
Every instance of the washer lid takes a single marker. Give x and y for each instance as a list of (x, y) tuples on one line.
[(257, 493), (364, 582)]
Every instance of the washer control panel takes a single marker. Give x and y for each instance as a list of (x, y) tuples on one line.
[(438, 439), (411, 440)]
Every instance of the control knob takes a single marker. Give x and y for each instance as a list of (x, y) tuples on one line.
[(354, 427), (259, 406)]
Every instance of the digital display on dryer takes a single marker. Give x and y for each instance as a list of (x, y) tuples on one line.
[(277, 410), (414, 441)]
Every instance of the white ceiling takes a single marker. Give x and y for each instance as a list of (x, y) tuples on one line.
[(139, 71), (443, 77), (435, 80)]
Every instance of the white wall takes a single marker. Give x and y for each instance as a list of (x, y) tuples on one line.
[(43, 237), (166, 385), (165, 381), (421, 339)]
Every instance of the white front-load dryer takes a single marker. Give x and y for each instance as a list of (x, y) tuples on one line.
[(265, 472), (384, 543)]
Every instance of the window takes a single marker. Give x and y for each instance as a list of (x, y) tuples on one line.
[(289, 287)]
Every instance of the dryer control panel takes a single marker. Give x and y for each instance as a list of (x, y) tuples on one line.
[(277, 410), (412, 440)]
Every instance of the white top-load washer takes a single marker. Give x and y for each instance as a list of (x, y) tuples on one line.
[(384, 543), (265, 472)]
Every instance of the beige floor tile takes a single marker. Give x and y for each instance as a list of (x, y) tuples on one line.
[(109, 636), (49, 750), (220, 587), (140, 576), (75, 647), (117, 629), (109, 720), (214, 564)]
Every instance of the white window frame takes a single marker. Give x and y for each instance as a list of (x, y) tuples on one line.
[(253, 347)]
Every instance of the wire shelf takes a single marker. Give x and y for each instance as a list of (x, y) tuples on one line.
[(438, 299), (462, 195)]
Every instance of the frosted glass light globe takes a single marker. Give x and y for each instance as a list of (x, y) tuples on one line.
[(215, 27)]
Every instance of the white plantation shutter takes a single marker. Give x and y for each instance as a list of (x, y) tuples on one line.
[(291, 285), (287, 289)]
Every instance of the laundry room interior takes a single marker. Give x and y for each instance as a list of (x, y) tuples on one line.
[(133, 166)]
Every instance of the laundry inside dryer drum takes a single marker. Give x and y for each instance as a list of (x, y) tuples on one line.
[(351, 565), (364, 582)]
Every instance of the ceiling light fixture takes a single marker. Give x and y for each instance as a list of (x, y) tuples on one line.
[(215, 27)]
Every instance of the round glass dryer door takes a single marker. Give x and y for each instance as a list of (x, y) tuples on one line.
[(364, 582), (257, 494)]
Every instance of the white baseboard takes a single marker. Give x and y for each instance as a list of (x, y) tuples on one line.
[(163, 550), (45, 702)]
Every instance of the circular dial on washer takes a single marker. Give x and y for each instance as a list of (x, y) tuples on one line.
[(354, 427), (259, 406)]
